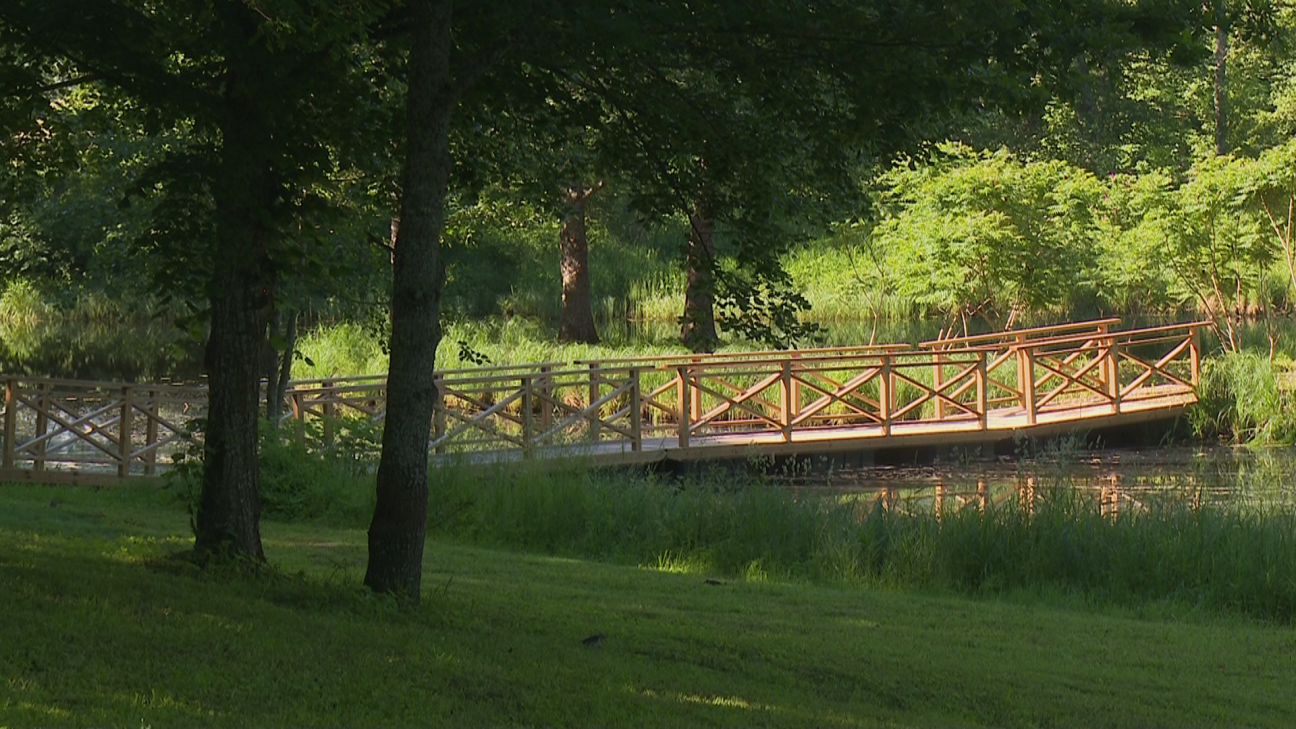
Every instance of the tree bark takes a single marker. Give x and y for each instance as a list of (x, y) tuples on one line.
[(697, 325), (227, 522), (1221, 79), (577, 320), (399, 526)]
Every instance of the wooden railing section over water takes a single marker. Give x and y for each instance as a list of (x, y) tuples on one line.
[(982, 387)]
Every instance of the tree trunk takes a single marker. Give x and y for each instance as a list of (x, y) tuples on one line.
[(1221, 79), (279, 365), (697, 325), (577, 322), (399, 525), (227, 522)]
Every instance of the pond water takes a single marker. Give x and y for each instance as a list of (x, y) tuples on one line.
[(1118, 477), (151, 350)]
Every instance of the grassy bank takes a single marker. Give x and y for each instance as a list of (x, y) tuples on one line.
[(104, 627), (1230, 557)]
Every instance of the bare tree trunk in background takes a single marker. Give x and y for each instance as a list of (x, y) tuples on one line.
[(697, 325), (577, 319), (395, 233), (279, 369), (399, 526), (1221, 79)]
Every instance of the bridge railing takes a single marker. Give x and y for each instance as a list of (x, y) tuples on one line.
[(53, 427)]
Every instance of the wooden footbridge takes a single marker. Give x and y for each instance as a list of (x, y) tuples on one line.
[(1031, 382)]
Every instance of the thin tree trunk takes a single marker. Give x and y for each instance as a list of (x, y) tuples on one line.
[(697, 325), (395, 233), (399, 525), (577, 319), (279, 370), (1221, 79)]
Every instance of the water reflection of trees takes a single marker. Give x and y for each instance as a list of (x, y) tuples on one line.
[(147, 350), (1116, 482)]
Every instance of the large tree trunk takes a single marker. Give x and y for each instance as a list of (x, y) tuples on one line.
[(577, 321), (1221, 78), (697, 325), (399, 525), (242, 288)]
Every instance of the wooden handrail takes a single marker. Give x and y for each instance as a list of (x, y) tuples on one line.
[(1121, 335), (1007, 334), (686, 358)]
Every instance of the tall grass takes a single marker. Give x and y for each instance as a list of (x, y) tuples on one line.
[(22, 305), (1246, 397), (1234, 556), (1211, 556), (340, 350)]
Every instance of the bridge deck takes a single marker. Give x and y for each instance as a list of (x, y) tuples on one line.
[(1001, 423)]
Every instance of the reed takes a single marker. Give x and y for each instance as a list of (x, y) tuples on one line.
[(1246, 397), (1212, 556)]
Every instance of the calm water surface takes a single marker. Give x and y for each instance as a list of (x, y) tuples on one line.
[(1118, 477)]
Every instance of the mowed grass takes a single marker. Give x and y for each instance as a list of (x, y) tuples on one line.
[(101, 624)]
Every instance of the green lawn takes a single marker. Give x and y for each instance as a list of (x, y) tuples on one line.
[(101, 625)]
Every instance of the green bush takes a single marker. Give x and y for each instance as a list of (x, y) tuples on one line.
[(299, 479)]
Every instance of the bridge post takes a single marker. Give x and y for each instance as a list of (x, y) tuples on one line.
[(10, 421), (42, 425), (785, 417), (299, 414), (546, 398), (796, 388), (1194, 355), (329, 395), (636, 412), (124, 432), (1113, 375), (982, 389), (150, 433), (682, 406), (695, 399), (527, 427), (1026, 380), (885, 394), (595, 388)]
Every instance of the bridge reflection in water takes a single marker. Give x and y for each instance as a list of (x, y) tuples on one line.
[(1033, 382)]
